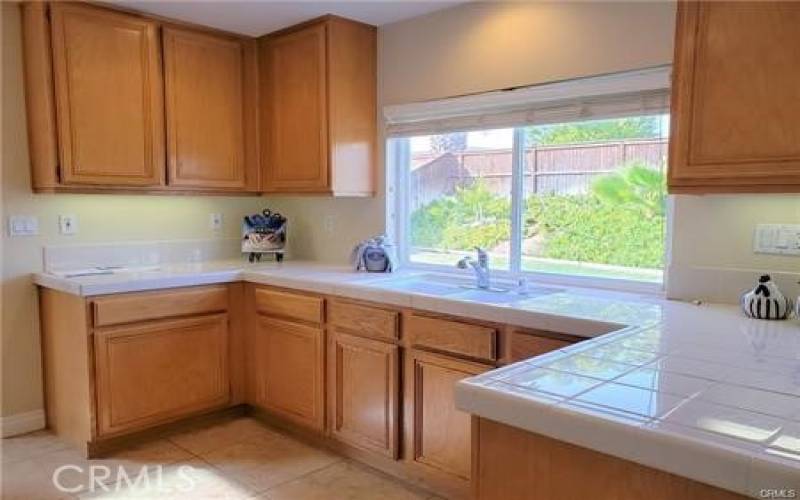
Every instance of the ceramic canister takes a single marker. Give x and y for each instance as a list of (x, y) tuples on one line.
[(765, 301)]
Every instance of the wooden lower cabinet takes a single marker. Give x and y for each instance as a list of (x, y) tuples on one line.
[(437, 434), (364, 392), (514, 464), (288, 370), (157, 371)]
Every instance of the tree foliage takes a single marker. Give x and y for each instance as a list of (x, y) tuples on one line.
[(640, 127), (449, 143), (473, 216)]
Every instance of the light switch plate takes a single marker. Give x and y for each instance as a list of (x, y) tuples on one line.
[(779, 239), (68, 224), (23, 225)]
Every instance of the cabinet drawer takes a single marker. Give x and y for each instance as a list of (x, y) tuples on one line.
[(527, 344), (130, 308), (365, 320), (289, 305), (474, 341)]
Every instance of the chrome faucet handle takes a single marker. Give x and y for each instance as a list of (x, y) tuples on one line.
[(483, 256)]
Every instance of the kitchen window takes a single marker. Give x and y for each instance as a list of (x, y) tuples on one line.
[(573, 188)]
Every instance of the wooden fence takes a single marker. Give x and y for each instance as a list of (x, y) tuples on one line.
[(568, 169)]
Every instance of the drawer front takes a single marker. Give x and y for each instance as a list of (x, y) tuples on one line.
[(116, 310), (365, 320), (466, 339), (289, 305), (524, 345)]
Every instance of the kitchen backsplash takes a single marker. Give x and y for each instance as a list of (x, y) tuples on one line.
[(139, 253)]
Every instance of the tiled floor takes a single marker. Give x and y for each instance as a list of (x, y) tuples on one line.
[(231, 459)]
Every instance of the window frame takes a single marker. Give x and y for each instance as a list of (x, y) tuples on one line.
[(399, 222)]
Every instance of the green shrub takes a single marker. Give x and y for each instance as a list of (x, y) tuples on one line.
[(620, 222), (583, 228), (473, 216)]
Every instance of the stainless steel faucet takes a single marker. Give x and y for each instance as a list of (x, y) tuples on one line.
[(480, 267)]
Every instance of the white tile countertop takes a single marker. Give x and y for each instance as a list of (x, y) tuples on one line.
[(699, 391)]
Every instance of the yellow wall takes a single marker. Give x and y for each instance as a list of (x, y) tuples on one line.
[(101, 218)]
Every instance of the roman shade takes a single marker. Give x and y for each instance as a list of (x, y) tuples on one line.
[(630, 93)]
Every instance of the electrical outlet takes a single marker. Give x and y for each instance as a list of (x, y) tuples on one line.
[(68, 224), (215, 222), (780, 239), (23, 225), (329, 223)]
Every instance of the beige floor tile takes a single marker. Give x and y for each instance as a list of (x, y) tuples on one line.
[(204, 439), (195, 480), (268, 461), (30, 446), (33, 478), (237, 459), (343, 481), (148, 455)]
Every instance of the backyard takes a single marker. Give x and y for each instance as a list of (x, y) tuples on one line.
[(584, 212)]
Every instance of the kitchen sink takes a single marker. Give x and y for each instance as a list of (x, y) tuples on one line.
[(500, 296), (460, 288), (420, 284)]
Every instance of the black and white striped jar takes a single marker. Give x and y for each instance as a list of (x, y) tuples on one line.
[(765, 301)]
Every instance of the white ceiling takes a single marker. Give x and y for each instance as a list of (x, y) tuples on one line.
[(257, 17)]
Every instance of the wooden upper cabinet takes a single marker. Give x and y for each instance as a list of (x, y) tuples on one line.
[(206, 85), (736, 98), (296, 149), (108, 97), (318, 123)]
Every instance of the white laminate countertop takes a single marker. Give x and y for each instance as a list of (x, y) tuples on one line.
[(699, 391)]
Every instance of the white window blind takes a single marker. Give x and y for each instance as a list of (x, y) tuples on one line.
[(630, 93)]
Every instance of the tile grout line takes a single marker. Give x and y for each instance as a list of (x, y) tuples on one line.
[(339, 461), (258, 492), (227, 477)]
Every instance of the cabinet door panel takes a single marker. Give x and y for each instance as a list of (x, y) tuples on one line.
[(439, 434), (109, 103), (158, 371), (736, 95), (296, 111), (204, 78), (288, 370), (364, 392)]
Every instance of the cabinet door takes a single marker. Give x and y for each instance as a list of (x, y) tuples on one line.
[(438, 435), (109, 103), (295, 105), (364, 392), (736, 97), (157, 371), (288, 370), (204, 78)]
